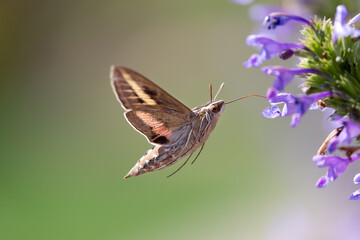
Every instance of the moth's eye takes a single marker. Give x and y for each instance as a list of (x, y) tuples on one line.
[(215, 109)]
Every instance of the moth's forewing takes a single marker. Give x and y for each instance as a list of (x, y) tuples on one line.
[(150, 110), (134, 91)]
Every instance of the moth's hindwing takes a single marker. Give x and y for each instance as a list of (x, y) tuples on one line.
[(159, 126)]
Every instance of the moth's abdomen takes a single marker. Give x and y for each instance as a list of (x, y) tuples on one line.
[(155, 159)]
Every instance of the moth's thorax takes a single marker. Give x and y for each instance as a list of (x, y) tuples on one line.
[(207, 118)]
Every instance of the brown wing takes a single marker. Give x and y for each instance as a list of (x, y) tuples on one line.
[(150, 110), (134, 91)]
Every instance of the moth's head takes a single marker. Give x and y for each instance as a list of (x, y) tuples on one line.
[(216, 107)]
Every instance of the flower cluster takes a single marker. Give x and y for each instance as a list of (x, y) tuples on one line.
[(329, 64)]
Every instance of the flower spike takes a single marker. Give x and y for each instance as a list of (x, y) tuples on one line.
[(328, 54)]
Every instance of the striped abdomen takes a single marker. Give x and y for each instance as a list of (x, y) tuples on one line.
[(155, 159)]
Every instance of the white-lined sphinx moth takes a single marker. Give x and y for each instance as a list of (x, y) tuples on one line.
[(173, 129)]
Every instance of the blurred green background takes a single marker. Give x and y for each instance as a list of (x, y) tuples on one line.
[(65, 145)]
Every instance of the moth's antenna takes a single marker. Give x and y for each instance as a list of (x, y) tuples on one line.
[(210, 92), (253, 95), (221, 86)]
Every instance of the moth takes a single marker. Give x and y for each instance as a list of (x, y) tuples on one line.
[(175, 130)]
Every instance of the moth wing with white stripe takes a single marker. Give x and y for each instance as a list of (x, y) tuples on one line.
[(149, 109)]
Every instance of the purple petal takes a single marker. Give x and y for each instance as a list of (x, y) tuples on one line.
[(332, 174), (279, 97), (350, 131), (354, 19), (272, 112), (295, 120), (332, 146), (319, 160), (342, 29), (322, 182), (336, 165), (271, 93), (337, 118), (357, 178), (341, 14), (253, 61), (278, 19), (283, 76), (317, 96), (269, 49), (355, 195)]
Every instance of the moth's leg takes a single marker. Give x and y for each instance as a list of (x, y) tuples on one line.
[(180, 166), (198, 153)]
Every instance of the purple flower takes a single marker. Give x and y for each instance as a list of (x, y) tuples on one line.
[(283, 76), (356, 195), (269, 49), (296, 106), (342, 29), (272, 112), (285, 33), (336, 167), (271, 93), (350, 131), (278, 19)]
